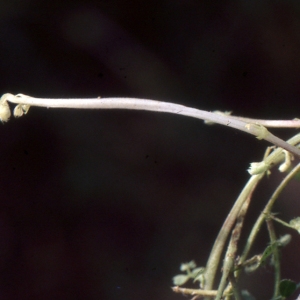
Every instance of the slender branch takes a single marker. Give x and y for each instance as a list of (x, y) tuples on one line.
[(193, 292), (213, 261), (24, 102), (230, 255), (235, 288), (276, 259), (258, 224), (215, 254), (295, 123)]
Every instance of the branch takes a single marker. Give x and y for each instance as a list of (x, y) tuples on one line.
[(194, 292), (24, 102), (295, 123)]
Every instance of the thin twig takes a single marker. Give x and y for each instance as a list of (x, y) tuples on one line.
[(276, 259), (295, 123), (235, 288), (230, 255), (211, 267), (215, 254), (256, 129), (258, 224), (193, 292)]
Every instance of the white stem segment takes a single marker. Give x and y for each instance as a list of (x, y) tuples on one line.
[(256, 129), (295, 123)]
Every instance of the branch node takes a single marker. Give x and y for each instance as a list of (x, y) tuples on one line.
[(258, 130)]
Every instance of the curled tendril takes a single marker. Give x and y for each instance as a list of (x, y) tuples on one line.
[(288, 157)]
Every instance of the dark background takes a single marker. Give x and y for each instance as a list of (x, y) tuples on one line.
[(107, 204)]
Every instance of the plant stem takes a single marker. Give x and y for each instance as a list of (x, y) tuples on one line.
[(235, 288), (151, 105), (295, 123), (230, 255), (194, 292), (215, 254), (258, 224), (273, 241), (274, 158)]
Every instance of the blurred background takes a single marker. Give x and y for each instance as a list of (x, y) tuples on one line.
[(108, 204)]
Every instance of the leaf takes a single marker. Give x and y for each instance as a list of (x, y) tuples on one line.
[(258, 167), (295, 223), (198, 275), (268, 251), (201, 279), (198, 271), (21, 109), (287, 287), (284, 240), (180, 279), (188, 266)]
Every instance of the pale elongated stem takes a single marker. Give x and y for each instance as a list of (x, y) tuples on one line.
[(295, 123), (144, 104)]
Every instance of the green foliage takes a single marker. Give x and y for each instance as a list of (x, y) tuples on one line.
[(191, 273), (295, 223), (268, 251), (287, 288), (282, 288)]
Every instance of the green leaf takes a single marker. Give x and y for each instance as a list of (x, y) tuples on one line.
[(268, 251), (198, 271), (295, 223), (180, 279), (287, 287), (284, 240), (188, 266)]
